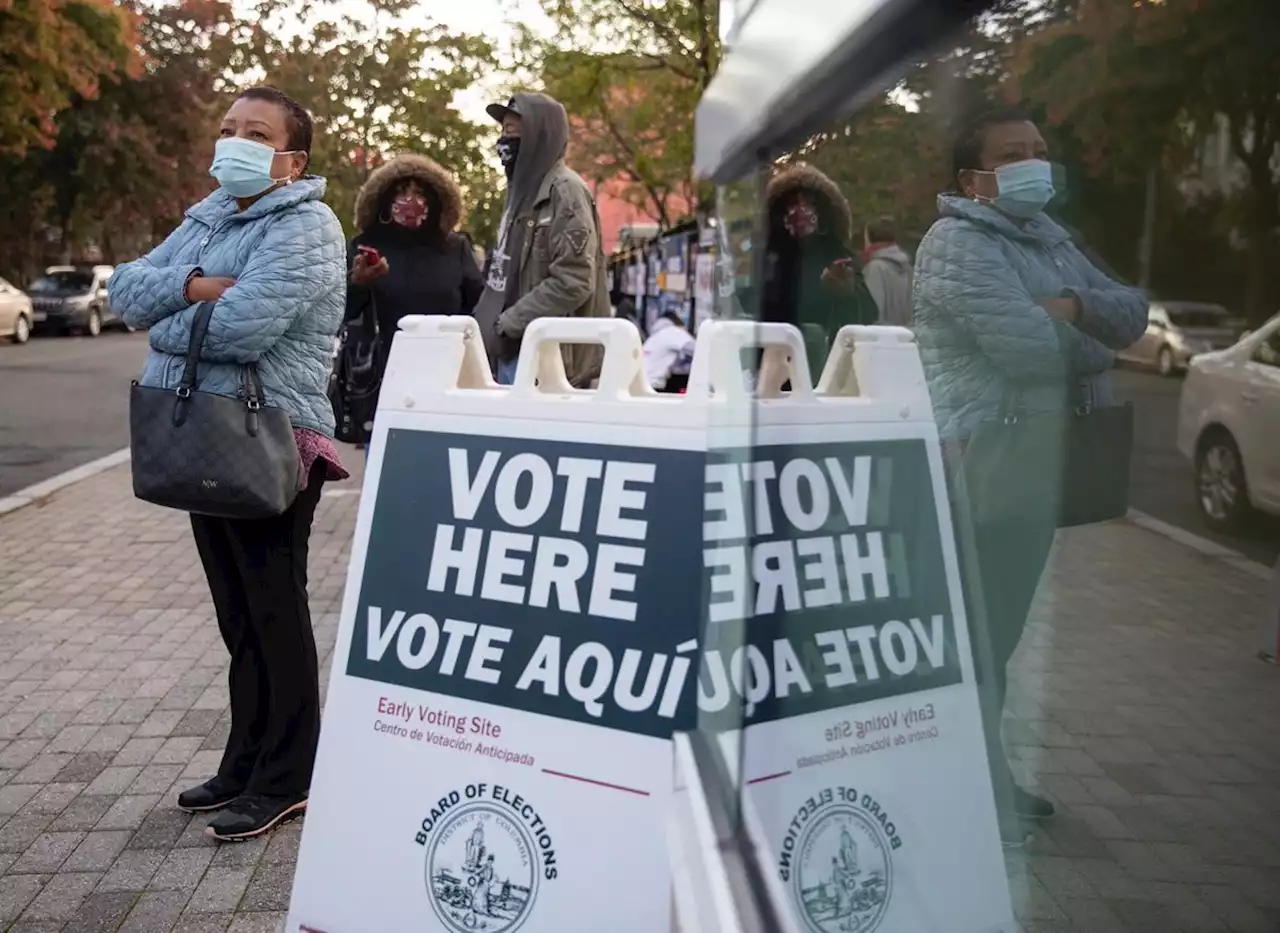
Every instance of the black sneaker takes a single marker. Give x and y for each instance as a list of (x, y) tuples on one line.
[(213, 794), (254, 814), (1030, 807)]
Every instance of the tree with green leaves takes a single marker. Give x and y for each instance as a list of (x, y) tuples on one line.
[(124, 161), (630, 74), (376, 87), (122, 155), (127, 164), (892, 158), (1155, 86)]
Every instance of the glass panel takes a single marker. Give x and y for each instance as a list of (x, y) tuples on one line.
[(1198, 315), (1015, 200), (1268, 351), (63, 282), (730, 435)]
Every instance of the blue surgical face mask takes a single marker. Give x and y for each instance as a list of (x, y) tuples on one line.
[(1025, 187), (243, 167)]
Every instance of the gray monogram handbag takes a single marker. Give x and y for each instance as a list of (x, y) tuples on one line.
[(209, 454)]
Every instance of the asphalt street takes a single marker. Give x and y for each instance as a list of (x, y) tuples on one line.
[(63, 402), (1161, 476), (66, 402)]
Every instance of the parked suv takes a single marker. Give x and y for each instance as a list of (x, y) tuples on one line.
[(68, 299)]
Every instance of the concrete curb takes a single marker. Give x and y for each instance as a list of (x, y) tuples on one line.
[(1206, 547), (42, 490)]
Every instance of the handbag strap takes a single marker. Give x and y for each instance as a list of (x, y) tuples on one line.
[(254, 395), (370, 317), (199, 328)]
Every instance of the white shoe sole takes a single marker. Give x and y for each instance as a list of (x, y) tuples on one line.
[(294, 811)]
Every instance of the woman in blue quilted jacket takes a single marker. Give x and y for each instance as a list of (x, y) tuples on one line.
[(1007, 307), (271, 254)]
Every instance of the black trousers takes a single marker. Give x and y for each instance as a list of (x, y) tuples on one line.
[(257, 570), (1001, 565), (1010, 561)]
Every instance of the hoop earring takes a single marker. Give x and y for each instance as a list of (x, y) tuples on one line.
[(384, 218)]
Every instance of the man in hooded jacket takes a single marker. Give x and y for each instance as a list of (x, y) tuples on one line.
[(549, 260), (886, 267)]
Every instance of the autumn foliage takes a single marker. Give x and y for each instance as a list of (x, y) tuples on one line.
[(56, 51), (109, 111)]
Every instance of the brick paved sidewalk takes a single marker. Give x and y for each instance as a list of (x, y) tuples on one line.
[(113, 697), (1137, 706)]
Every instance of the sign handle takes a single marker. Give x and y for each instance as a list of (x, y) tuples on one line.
[(718, 365), (540, 368), (456, 343), (876, 362)]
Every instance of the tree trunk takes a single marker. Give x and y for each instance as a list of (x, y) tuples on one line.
[(1260, 295), (1253, 145), (64, 242), (1262, 218), (107, 245)]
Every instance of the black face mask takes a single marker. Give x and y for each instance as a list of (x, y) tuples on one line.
[(508, 152)]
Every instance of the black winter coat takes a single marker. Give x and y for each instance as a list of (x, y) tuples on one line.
[(425, 276)]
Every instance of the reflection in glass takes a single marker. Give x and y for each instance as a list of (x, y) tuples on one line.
[(1134, 769)]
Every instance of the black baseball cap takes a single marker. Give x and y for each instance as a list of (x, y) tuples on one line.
[(499, 112)]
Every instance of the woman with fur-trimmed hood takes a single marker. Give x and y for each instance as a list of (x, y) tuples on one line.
[(811, 278), (407, 211)]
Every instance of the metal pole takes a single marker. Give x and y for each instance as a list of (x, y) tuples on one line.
[(1147, 244)]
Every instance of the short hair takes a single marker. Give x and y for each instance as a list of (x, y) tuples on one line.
[(882, 230), (966, 153), (297, 120)]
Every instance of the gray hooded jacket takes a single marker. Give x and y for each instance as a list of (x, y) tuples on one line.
[(549, 260), (888, 277)]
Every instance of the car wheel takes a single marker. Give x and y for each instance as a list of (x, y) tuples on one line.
[(93, 326), (1221, 490), (21, 329), (1165, 362)]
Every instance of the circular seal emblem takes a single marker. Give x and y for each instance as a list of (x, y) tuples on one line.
[(481, 870), (844, 875)]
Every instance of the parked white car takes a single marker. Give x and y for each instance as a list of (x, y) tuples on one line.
[(1229, 427)]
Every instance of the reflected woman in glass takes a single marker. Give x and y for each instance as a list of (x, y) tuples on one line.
[(811, 278), (1007, 307)]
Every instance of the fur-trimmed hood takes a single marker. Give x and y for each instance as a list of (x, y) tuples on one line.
[(801, 176), (426, 172)]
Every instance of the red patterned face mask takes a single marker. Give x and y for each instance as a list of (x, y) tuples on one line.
[(409, 210), (801, 220)]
